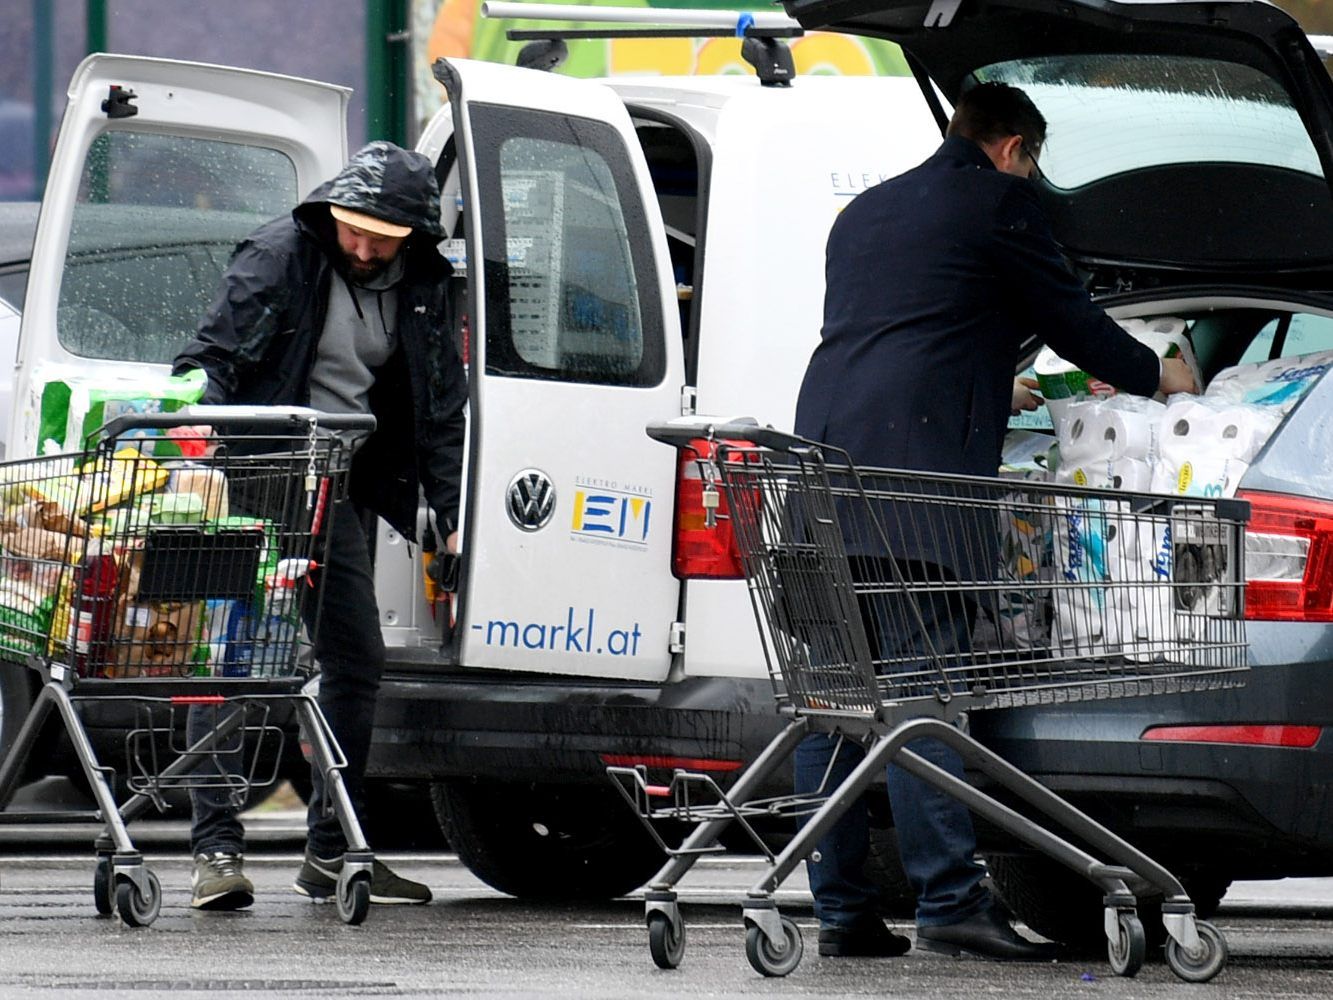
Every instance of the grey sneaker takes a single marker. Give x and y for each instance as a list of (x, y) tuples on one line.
[(219, 882), (318, 880)]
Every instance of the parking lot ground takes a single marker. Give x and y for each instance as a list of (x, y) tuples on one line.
[(475, 942)]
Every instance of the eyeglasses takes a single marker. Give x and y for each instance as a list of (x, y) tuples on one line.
[(1032, 158)]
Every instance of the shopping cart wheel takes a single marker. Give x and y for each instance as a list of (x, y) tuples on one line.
[(135, 909), (104, 897), (769, 960), (354, 898), (1205, 962), (666, 940), (1127, 950)]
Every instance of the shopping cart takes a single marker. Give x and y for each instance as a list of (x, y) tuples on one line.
[(166, 569), (1096, 594)]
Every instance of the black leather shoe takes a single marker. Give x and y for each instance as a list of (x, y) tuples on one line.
[(870, 939), (986, 935)]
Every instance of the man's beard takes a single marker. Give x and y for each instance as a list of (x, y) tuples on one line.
[(364, 270)]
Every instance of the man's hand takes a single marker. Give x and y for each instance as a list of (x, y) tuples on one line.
[(451, 543), (1176, 377), (1024, 398)]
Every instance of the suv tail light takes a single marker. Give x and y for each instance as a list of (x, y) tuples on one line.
[(1288, 558), (701, 552)]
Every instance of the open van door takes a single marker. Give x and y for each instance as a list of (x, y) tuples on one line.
[(574, 347), (161, 167)]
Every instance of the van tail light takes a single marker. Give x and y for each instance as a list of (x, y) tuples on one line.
[(1288, 558), (704, 548)]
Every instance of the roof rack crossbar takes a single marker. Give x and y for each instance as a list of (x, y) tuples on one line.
[(666, 16), (573, 34)]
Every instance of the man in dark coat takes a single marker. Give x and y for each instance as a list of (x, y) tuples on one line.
[(342, 306), (934, 279)]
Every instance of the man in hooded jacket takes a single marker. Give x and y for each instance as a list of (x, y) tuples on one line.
[(342, 306)]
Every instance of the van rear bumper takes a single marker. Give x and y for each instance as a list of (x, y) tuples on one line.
[(524, 728)]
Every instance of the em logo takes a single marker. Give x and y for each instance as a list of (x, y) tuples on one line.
[(612, 515)]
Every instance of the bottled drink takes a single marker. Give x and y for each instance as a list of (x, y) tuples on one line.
[(91, 614)]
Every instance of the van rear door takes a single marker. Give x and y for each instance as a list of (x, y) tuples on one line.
[(574, 347), (161, 167)]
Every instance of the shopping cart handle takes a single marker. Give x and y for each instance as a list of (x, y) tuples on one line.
[(276, 418), (680, 431)]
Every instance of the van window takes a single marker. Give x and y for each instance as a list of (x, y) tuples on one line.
[(155, 223), (571, 290)]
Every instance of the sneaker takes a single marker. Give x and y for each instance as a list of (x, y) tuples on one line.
[(318, 880), (219, 883)]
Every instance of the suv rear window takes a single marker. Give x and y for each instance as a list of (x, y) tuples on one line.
[(1110, 114), (155, 223)]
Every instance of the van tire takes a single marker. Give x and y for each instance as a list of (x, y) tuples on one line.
[(573, 842), (1064, 906)]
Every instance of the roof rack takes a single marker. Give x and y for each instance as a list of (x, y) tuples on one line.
[(762, 32)]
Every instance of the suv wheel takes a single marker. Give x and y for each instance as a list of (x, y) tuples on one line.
[(1061, 905), (543, 842)]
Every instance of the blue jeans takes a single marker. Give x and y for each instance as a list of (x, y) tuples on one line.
[(935, 837), (349, 649)]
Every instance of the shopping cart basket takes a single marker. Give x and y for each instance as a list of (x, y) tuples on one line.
[(1067, 594), (164, 570)]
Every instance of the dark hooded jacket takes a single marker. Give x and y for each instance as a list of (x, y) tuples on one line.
[(257, 342)]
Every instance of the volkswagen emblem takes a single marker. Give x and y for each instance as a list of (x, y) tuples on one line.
[(530, 500)]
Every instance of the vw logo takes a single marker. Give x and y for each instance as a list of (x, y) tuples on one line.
[(530, 500)]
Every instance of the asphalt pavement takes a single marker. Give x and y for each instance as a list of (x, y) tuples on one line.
[(474, 942)]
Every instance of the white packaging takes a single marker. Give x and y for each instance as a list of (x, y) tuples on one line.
[(1279, 384), (1206, 446), (1109, 443), (1086, 621), (1062, 382)]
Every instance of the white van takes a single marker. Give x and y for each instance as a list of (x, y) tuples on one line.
[(649, 247)]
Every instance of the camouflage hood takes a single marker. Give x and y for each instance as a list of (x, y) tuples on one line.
[(385, 181)]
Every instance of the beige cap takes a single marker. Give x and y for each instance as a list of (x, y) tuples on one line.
[(369, 223)]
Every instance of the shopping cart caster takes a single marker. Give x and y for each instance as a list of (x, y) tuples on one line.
[(666, 940), (104, 895), (354, 887), (1126, 942), (772, 943), (138, 907), (1203, 962)]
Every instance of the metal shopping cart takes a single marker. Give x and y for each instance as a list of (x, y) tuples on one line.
[(1068, 595), (164, 570)]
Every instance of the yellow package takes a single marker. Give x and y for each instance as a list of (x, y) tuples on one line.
[(103, 482)]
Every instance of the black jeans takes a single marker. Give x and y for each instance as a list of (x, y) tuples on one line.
[(349, 649)]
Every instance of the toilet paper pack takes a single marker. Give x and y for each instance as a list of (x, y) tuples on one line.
[(68, 402), (1206, 445), (1086, 620), (1280, 383), (1109, 443), (1062, 382)]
